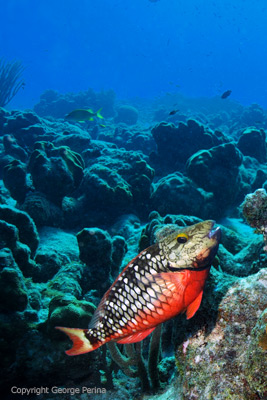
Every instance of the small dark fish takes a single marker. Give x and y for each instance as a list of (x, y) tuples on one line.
[(173, 112), (226, 94)]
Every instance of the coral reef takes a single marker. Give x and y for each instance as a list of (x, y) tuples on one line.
[(252, 142), (58, 105), (176, 144), (42, 210), (14, 177), (184, 197), (130, 138), (100, 253), (209, 170), (13, 292), (254, 209), (79, 201), (127, 115), (55, 167), (13, 149), (226, 360), (103, 185)]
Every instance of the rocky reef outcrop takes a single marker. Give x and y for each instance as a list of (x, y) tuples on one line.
[(228, 360), (79, 201)]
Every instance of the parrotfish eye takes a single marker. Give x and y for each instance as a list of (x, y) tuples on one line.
[(182, 238)]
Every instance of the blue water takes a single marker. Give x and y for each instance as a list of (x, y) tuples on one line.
[(138, 47)]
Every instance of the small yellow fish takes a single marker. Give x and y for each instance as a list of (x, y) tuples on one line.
[(81, 115)]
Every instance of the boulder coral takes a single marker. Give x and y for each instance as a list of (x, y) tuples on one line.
[(42, 210), (176, 144), (55, 167), (104, 186), (18, 233), (217, 171), (66, 307), (252, 142), (13, 149), (28, 233), (17, 120), (102, 255), (14, 177), (67, 280), (183, 197), (127, 115), (13, 292)]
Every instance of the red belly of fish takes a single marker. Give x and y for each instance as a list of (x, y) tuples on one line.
[(187, 286)]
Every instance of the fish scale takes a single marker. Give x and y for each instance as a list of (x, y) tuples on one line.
[(128, 288), (162, 281)]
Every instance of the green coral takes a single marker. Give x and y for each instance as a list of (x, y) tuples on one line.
[(66, 310)]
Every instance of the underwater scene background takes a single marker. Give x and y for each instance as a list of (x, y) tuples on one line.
[(119, 122)]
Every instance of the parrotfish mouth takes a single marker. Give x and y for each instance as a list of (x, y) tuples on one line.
[(206, 256), (215, 233), (215, 236)]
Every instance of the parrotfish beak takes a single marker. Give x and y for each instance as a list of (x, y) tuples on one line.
[(215, 236), (210, 243), (215, 233)]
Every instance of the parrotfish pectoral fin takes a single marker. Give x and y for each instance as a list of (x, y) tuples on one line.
[(136, 337), (81, 344), (194, 306)]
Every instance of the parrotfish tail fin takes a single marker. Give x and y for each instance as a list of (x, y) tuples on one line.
[(83, 342), (98, 114)]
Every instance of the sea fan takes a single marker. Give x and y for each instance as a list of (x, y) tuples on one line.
[(10, 80)]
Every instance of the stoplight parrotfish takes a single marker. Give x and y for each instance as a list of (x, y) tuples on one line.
[(82, 115), (164, 280)]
